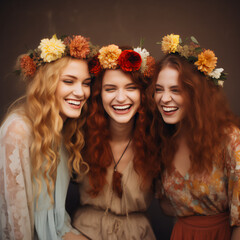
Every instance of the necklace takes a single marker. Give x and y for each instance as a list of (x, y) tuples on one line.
[(117, 176)]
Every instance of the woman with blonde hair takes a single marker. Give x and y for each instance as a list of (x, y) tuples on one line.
[(199, 143), (41, 138)]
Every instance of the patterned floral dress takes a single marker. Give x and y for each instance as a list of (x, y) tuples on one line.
[(208, 195)]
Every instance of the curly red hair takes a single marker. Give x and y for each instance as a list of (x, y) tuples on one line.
[(98, 152), (208, 118)]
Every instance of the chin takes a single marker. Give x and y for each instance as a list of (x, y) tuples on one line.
[(73, 115)]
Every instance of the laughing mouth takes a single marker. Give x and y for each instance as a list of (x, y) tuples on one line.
[(169, 109), (121, 107), (73, 102)]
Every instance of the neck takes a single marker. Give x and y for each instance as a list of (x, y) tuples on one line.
[(121, 132), (181, 138)]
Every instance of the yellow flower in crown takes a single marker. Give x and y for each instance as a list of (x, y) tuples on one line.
[(207, 61), (108, 56), (170, 43), (51, 49)]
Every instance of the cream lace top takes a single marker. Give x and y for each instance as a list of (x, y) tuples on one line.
[(18, 214)]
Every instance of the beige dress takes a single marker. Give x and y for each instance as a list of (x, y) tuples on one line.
[(109, 217)]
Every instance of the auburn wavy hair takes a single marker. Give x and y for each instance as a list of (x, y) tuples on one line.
[(41, 109), (208, 118), (97, 152)]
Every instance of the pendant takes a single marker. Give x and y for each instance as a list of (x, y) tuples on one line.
[(117, 183)]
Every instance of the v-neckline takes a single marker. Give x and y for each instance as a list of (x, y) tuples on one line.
[(185, 177)]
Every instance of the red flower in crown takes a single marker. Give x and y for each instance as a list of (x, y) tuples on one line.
[(129, 60), (94, 65)]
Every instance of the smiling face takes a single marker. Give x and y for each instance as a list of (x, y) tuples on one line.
[(168, 96), (73, 88), (120, 96)]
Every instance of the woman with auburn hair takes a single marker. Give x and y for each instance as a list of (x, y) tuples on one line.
[(118, 188), (199, 143), (40, 140)]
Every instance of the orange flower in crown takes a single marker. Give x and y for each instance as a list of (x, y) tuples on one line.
[(207, 61), (28, 66), (79, 47)]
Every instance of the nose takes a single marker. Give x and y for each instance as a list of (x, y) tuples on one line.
[(120, 95), (78, 90), (166, 97)]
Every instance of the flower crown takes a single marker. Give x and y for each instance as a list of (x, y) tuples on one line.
[(112, 57), (205, 60), (53, 49)]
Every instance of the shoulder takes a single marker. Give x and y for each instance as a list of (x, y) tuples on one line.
[(15, 127), (234, 137), (233, 149)]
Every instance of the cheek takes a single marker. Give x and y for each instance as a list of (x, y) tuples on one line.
[(157, 97), (179, 100), (58, 93), (61, 90), (87, 92), (105, 100)]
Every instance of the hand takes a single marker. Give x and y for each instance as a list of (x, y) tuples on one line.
[(73, 236)]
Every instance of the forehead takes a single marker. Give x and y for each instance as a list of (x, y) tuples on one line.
[(168, 76), (116, 77), (76, 67)]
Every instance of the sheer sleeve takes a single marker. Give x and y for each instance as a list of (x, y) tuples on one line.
[(16, 203), (233, 169)]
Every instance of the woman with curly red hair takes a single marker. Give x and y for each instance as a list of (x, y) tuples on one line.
[(118, 188), (199, 143)]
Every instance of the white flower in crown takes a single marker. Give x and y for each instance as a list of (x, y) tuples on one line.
[(220, 83), (144, 54), (216, 73), (51, 49)]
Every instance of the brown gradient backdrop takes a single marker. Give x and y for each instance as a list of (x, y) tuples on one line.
[(215, 23)]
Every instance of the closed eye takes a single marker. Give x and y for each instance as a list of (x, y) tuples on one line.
[(175, 90), (131, 88), (158, 89), (109, 89), (87, 82), (68, 81)]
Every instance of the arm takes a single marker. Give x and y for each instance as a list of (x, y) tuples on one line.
[(164, 203), (15, 181), (236, 233), (73, 236), (233, 167)]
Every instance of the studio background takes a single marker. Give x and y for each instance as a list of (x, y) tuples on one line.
[(215, 23)]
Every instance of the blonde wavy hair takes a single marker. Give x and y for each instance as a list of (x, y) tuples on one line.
[(42, 110)]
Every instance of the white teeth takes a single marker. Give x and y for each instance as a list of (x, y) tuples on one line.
[(73, 102), (122, 107), (169, 109)]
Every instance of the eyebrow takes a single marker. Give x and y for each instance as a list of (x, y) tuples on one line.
[(113, 85), (74, 77), (130, 84), (109, 85), (174, 86), (68, 75)]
